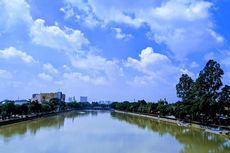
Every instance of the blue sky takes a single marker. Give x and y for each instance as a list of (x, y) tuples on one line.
[(109, 50)]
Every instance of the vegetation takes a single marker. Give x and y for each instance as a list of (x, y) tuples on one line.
[(203, 99), (10, 110)]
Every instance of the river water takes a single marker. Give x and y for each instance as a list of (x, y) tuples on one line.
[(106, 132)]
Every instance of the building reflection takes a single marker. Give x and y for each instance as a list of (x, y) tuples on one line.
[(32, 127)]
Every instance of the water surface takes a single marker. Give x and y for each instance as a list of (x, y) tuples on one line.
[(106, 132)]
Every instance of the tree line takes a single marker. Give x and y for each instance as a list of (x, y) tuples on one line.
[(204, 99), (9, 109)]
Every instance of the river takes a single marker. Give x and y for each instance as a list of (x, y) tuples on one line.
[(106, 132)]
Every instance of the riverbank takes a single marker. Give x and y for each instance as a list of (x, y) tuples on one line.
[(32, 117), (42, 115), (173, 121)]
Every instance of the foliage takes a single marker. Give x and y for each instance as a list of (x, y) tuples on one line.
[(184, 87), (8, 109), (201, 100), (224, 100)]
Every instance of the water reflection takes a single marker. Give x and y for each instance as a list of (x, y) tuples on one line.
[(54, 122), (193, 140), (104, 131)]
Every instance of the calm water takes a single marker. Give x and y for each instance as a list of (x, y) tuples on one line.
[(106, 132)]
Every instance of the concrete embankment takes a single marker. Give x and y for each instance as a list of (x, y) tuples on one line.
[(174, 121), (148, 116)]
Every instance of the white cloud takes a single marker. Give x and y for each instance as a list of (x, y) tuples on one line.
[(49, 68), (12, 52), (186, 71), (68, 11), (185, 26), (92, 62), (218, 38), (69, 40), (67, 68), (97, 66), (45, 76), (194, 65), (104, 12), (76, 77), (209, 55), (5, 74), (121, 35), (155, 68), (225, 60), (90, 21), (14, 13), (150, 62)]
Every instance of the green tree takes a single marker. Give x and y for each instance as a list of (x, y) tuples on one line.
[(162, 107), (25, 109), (224, 100), (206, 88), (185, 92), (8, 108), (73, 105), (184, 87), (46, 107), (35, 107), (142, 108), (18, 109), (57, 104)]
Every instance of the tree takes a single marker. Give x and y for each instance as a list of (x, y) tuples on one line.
[(57, 104), (25, 109), (35, 107), (142, 108), (206, 88), (8, 108), (184, 87), (162, 107), (18, 109), (73, 105), (224, 100), (185, 92), (46, 107)]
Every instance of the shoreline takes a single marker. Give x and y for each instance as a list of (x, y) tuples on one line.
[(37, 116), (192, 125), (32, 117), (167, 120)]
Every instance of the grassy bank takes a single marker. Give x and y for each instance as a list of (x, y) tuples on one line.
[(174, 121)]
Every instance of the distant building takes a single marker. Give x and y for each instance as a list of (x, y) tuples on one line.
[(16, 102), (107, 102), (83, 99), (5, 101), (20, 102), (46, 97), (71, 99)]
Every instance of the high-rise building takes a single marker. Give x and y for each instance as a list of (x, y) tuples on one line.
[(83, 99), (71, 99)]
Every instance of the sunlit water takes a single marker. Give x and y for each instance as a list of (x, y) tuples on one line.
[(106, 132)]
